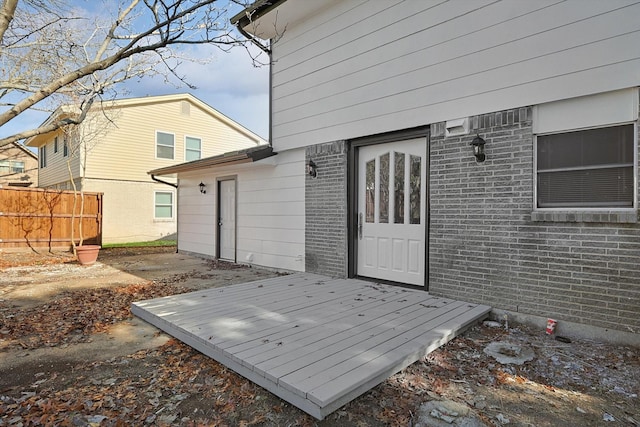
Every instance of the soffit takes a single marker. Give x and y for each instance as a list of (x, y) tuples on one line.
[(271, 20)]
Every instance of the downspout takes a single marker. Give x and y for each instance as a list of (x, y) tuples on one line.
[(252, 39), (153, 177), (268, 52)]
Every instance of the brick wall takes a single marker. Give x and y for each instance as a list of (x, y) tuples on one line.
[(326, 210), (485, 247)]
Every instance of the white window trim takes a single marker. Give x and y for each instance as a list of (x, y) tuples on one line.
[(583, 209), (185, 146), (173, 206), (155, 146)]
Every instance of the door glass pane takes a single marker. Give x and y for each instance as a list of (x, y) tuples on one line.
[(384, 188), (164, 198), (164, 212), (370, 191), (415, 184), (398, 217)]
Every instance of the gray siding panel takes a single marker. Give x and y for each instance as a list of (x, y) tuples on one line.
[(359, 69)]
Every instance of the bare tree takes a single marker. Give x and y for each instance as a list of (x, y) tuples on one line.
[(52, 52), (78, 141)]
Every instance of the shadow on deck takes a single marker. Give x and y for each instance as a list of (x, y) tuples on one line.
[(315, 342)]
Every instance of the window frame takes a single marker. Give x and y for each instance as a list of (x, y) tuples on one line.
[(173, 156), (582, 209), (185, 147), (10, 165), (42, 156), (173, 205)]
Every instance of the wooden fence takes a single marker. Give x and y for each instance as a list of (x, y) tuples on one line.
[(35, 217)]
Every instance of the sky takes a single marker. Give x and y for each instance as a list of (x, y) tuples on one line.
[(228, 82)]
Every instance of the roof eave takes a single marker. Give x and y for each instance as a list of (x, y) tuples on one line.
[(254, 11), (228, 159)]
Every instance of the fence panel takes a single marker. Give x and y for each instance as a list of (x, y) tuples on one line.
[(36, 217)]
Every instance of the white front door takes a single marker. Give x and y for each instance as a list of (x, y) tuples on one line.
[(227, 220), (392, 211)]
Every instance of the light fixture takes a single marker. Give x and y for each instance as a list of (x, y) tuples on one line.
[(312, 169), (203, 188), (478, 148)]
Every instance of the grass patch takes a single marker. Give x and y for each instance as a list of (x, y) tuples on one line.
[(153, 243)]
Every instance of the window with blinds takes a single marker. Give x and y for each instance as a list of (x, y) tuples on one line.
[(591, 168)]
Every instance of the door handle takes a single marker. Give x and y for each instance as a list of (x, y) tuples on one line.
[(220, 222), (360, 226)]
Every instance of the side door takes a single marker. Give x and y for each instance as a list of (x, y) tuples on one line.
[(227, 219), (392, 211)]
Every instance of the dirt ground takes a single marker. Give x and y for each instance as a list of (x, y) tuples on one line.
[(72, 354)]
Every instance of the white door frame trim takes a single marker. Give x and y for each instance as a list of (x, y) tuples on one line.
[(219, 181)]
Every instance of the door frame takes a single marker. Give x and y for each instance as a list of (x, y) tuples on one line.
[(219, 181), (352, 196)]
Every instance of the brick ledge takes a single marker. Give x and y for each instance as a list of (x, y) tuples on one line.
[(573, 216)]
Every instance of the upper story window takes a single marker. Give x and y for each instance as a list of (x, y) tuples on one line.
[(193, 148), (165, 145), (592, 168), (42, 154), (11, 166), (65, 148), (55, 144)]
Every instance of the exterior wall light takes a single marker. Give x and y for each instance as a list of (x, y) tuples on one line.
[(478, 148), (203, 188), (312, 169)]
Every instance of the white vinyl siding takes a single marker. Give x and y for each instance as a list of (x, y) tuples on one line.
[(55, 172), (165, 145), (163, 205), (192, 148), (270, 211), (358, 68), (106, 159)]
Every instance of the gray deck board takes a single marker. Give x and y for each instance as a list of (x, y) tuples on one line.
[(314, 341)]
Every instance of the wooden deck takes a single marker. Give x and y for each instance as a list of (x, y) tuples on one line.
[(313, 341)]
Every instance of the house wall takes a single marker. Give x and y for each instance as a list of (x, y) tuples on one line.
[(488, 246), (326, 210), (270, 211), (128, 150), (30, 175), (360, 68), (121, 149), (128, 211), (56, 172)]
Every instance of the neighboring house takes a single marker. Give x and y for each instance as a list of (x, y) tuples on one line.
[(376, 106), (122, 143), (18, 166)]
